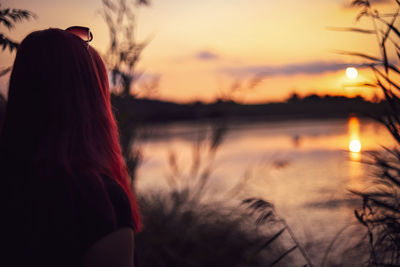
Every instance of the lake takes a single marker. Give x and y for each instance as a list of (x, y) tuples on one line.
[(304, 167)]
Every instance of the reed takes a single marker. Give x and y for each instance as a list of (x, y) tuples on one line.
[(182, 231), (380, 212), (183, 226)]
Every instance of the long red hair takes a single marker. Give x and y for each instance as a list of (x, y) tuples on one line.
[(59, 120)]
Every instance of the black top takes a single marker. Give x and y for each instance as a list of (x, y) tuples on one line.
[(120, 203), (55, 228)]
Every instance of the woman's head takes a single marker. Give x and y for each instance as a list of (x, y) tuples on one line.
[(58, 116), (55, 98)]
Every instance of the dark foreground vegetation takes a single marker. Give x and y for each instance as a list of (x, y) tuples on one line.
[(180, 231), (380, 212)]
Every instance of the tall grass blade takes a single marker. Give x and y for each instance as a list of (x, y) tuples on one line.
[(357, 54), (282, 256), (266, 244), (351, 29)]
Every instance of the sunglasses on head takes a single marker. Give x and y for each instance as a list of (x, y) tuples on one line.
[(82, 32)]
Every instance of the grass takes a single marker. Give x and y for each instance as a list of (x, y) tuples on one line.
[(380, 212), (180, 231), (183, 232), (184, 227)]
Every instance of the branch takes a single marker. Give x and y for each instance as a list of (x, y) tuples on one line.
[(8, 17), (4, 71), (7, 43)]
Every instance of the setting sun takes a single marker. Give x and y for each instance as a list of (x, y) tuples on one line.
[(351, 72), (355, 146)]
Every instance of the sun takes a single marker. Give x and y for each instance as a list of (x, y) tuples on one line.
[(355, 146), (351, 72)]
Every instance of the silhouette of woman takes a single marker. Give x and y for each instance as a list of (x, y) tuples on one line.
[(64, 184)]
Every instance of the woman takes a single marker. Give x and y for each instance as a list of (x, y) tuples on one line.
[(64, 182)]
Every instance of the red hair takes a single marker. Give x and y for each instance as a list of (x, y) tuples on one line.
[(59, 116)]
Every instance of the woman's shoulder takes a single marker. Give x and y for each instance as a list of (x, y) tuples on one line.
[(120, 203)]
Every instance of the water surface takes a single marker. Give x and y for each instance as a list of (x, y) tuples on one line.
[(303, 167)]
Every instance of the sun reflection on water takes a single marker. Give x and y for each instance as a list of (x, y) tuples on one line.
[(355, 146), (354, 138), (355, 166)]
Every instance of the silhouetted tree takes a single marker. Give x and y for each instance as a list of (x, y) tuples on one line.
[(122, 57), (124, 50), (294, 98), (8, 18)]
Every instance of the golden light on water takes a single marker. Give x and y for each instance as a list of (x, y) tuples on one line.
[(355, 167), (351, 72), (354, 138), (355, 146)]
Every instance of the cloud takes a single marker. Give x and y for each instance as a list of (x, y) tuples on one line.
[(206, 55), (311, 68)]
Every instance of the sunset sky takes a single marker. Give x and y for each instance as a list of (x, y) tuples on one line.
[(201, 48)]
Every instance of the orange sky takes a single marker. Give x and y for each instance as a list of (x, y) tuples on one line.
[(201, 48)]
